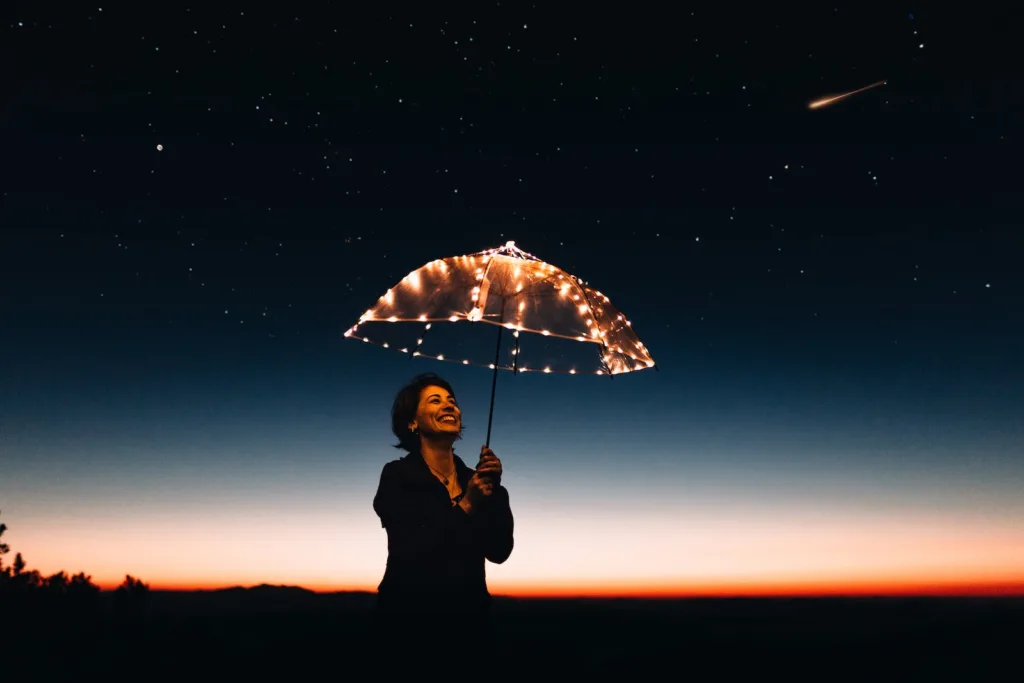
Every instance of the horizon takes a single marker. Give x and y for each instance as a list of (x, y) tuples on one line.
[(1008, 590), (906, 590)]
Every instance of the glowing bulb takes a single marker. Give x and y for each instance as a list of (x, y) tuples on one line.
[(510, 244)]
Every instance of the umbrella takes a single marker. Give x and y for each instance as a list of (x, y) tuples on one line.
[(510, 289)]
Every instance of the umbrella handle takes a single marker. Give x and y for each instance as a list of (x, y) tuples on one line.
[(494, 385)]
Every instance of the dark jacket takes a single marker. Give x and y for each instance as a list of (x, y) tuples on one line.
[(436, 552)]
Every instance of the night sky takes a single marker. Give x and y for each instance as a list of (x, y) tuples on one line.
[(197, 203)]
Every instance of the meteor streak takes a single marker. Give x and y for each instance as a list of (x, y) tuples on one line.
[(826, 101)]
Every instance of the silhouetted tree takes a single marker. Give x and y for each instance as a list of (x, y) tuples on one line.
[(29, 580), (57, 584), (81, 584), (133, 589), (73, 601), (4, 549), (21, 579), (81, 594), (19, 565), (132, 593), (130, 601)]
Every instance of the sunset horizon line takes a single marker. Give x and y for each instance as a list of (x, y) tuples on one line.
[(1012, 589)]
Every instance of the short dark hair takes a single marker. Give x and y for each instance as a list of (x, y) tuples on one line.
[(403, 410)]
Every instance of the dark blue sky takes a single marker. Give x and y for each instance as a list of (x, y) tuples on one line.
[(199, 204)]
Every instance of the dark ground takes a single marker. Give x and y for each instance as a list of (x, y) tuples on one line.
[(238, 633)]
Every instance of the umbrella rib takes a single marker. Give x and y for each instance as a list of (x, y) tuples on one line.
[(590, 308), (483, 304)]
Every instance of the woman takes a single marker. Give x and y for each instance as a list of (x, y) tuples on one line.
[(443, 519)]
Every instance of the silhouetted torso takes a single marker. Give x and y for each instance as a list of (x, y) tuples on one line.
[(436, 552)]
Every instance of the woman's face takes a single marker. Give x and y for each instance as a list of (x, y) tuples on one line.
[(437, 414)]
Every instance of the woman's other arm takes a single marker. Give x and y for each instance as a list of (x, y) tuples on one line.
[(496, 524)]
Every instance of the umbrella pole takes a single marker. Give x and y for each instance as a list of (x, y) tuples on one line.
[(494, 385)]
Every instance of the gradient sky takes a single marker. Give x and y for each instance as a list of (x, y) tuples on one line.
[(832, 296)]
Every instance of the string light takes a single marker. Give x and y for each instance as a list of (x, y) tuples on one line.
[(476, 288)]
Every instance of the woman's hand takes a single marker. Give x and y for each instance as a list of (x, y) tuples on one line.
[(489, 466), (477, 491), (485, 480)]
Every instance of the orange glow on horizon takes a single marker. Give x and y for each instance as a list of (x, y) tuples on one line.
[(738, 548), (809, 589)]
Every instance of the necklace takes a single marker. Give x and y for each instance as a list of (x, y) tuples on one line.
[(444, 477)]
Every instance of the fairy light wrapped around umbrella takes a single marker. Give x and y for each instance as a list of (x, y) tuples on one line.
[(510, 289)]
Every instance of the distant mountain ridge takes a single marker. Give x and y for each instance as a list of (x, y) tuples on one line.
[(264, 589), (261, 598)]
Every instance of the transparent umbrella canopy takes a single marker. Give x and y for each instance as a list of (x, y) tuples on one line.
[(439, 310)]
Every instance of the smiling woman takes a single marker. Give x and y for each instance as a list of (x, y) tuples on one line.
[(443, 519)]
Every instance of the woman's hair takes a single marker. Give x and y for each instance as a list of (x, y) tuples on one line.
[(407, 401)]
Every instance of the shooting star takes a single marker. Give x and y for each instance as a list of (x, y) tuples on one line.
[(826, 101)]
